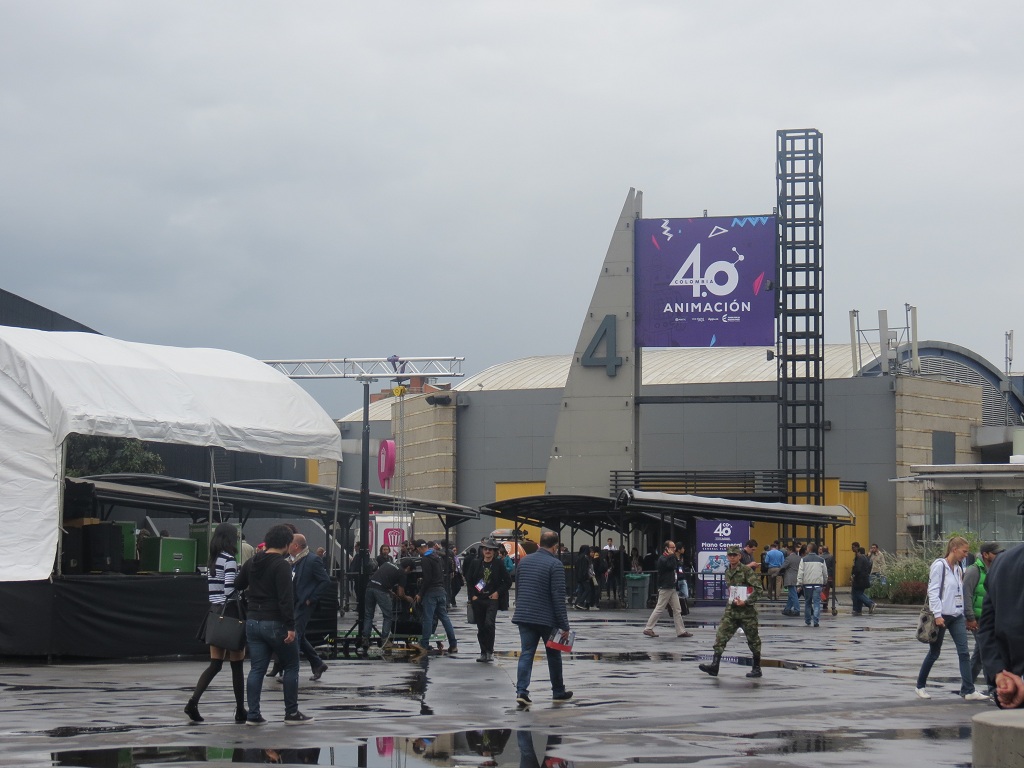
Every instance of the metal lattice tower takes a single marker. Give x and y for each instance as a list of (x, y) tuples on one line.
[(800, 347)]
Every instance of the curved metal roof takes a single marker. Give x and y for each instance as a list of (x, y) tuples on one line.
[(711, 365), (701, 365)]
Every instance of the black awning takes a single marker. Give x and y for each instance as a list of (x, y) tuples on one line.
[(137, 497), (348, 499), (590, 514), (261, 497)]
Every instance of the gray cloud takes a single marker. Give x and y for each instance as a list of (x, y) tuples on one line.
[(338, 180)]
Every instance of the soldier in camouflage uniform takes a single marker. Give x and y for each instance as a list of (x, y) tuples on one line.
[(738, 615)]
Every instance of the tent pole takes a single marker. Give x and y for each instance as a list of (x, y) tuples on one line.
[(332, 539), (60, 507), (209, 514)]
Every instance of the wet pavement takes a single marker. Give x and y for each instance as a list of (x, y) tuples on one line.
[(838, 695)]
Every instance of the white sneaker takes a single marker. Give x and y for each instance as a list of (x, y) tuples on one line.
[(922, 693), (976, 696)]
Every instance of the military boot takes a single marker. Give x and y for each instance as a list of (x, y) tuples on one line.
[(712, 668), (756, 671)]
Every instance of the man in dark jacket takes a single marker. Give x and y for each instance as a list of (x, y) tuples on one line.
[(270, 627), (433, 597), (1001, 628), (487, 585), (387, 582), (540, 610), (667, 594), (311, 581), (861, 580)]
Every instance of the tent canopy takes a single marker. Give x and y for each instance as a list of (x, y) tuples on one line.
[(56, 384)]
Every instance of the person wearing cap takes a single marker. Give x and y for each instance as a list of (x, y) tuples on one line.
[(1001, 628), (974, 593), (740, 612), (487, 585)]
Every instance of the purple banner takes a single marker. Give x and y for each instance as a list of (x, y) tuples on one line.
[(713, 537), (704, 282)]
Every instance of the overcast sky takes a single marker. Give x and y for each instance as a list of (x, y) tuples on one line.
[(333, 179)]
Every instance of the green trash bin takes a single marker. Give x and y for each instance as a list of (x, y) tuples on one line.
[(637, 585)]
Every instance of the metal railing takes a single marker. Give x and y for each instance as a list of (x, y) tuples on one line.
[(760, 484)]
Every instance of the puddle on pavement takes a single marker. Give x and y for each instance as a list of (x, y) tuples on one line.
[(798, 742), (494, 747), (69, 731)]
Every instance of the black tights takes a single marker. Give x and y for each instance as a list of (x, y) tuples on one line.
[(237, 680)]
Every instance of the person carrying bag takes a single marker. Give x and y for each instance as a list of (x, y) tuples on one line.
[(946, 602), (224, 630)]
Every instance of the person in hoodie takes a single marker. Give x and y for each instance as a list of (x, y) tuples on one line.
[(270, 626)]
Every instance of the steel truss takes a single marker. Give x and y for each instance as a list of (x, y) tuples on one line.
[(800, 347), (393, 367)]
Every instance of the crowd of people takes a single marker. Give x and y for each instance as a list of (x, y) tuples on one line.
[(283, 581), (600, 573)]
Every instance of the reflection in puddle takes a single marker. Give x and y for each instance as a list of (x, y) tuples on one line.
[(490, 747), (795, 742), (128, 757)]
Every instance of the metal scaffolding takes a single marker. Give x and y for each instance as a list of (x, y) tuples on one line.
[(800, 347)]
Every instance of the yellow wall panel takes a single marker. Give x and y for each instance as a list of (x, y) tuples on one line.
[(504, 491)]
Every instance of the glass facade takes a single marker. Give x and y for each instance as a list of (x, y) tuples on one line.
[(991, 514)]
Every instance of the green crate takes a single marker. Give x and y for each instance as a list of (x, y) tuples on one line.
[(199, 532), (168, 555)]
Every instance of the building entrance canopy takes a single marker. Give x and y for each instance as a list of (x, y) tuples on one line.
[(735, 509), (634, 509)]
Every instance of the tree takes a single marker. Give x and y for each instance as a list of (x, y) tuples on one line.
[(92, 455)]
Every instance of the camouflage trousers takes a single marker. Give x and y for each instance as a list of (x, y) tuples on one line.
[(733, 620)]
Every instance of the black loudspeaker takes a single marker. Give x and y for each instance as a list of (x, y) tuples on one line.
[(71, 551), (79, 499), (104, 547)]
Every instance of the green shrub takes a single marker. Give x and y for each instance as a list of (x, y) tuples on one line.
[(910, 593), (899, 569), (906, 575)]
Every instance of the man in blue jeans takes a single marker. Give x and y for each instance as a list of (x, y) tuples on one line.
[(540, 610), (812, 576), (270, 627), (433, 597)]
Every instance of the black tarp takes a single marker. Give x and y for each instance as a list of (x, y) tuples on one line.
[(103, 616)]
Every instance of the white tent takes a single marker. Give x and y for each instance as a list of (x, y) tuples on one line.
[(55, 384)]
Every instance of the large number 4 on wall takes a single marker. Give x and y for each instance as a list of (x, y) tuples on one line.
[(609, 361)]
